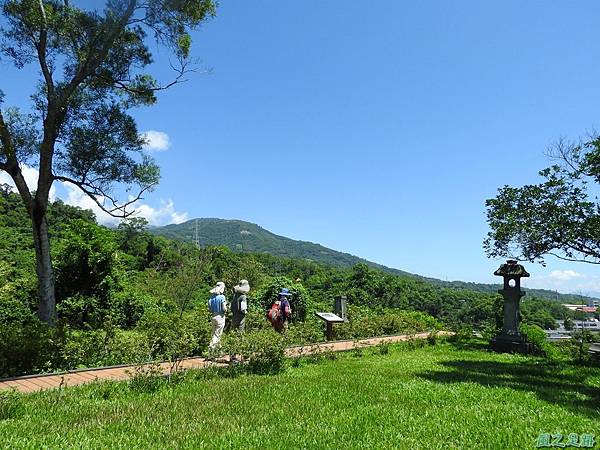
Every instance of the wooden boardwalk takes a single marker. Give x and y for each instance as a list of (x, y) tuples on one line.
[(35, 383)]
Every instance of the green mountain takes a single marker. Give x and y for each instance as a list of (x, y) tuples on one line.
[(247, 237), (243, 236)]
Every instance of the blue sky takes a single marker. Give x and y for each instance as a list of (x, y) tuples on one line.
[(376, 128)]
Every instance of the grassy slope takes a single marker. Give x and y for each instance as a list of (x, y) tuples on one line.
[(434, 397)]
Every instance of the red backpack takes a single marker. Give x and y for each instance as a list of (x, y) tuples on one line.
[(274, 314)]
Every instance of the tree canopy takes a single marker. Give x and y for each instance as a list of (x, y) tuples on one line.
[(559, 217), (93, 69)]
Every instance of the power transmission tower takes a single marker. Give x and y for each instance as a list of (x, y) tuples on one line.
[(196, 235)]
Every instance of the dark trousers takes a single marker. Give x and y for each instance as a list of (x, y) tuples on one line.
[(238, 321)]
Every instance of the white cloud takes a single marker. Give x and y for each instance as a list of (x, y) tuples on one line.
[(163, 215), (31, 175), (156, 140), (564, 275)]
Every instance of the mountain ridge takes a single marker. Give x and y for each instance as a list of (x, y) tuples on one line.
[(242, 236)]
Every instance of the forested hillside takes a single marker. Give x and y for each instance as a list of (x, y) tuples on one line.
[(241, 236), (247, 237), (125, 295)]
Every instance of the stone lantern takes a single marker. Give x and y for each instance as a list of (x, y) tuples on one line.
[(510, 339)]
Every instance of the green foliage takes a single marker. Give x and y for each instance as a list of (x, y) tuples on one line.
[(383, 348), (10, 404), (536, 335), (543, 313), (146, 379), (576, 348), (262, 351), (129, 297), (172, 337), (299, 302), (364, 323), (29, 347), (308, 332), (87, 272), (568, 324), (558, 216)]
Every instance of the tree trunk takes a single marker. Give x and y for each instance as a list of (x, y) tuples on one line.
[(43, 267)]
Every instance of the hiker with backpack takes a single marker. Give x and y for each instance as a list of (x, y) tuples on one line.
[(281, 311), (239, 306), (217, 305)]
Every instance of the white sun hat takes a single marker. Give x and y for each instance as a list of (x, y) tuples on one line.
[(243, 287), (218, 289)]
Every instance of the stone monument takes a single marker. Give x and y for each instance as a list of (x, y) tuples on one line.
[(510, 339)]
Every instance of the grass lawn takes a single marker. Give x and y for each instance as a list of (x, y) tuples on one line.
[(433, 397)]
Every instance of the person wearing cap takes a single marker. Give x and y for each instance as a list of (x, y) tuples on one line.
[(285, 310), (217, 306), (239, 305)]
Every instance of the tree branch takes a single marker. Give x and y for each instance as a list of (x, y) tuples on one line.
[(573, 259), (6, 140), (180, 71), (41, 52), (118, 210), (92, 63)]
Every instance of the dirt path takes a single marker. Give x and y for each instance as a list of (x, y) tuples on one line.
[(34, 383)]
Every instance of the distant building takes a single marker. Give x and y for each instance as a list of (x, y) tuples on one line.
[(586, 309)]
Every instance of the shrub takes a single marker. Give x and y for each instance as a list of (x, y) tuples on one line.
[(383, 348), (263, 352), (307, 332), (146, 378), (576, 348), (10, 404), (432, 338), (128, 306), (168, 335), (537, 336), (365, 323), (300, 300), (31, 347), (357, 350)]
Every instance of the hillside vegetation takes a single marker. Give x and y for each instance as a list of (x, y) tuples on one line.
[(124, 295), (240, 236)]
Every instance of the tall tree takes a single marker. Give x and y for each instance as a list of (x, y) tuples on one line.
[(559, 217), (92, 71)]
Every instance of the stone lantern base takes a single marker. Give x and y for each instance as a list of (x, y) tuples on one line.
[(512, 344)]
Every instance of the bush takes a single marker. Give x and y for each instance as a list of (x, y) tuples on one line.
[(300, 300), (128, 306), (537, 336), (432, 338), (31, 347), (146, 379), (170, 336), (383, 348), (263, 352), (10, 404), (308, 332), (365, 323), (576, 348)]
